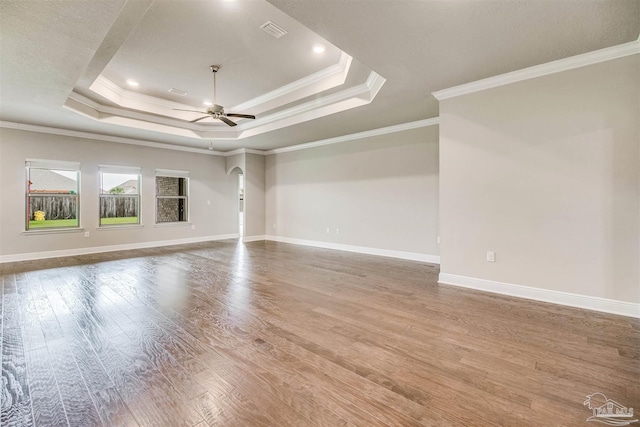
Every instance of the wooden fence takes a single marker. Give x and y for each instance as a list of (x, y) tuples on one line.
[(65, 206), (118, 206), (54, 207)]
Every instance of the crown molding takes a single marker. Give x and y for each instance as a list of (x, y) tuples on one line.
[(339, 70), (582, 60), (135, 100), (344, 138), (366, 134), (355, 96), (351, 97), (108, 138), (315, 83), (86, 107), (244, 151), (89, 108), (374, 83)]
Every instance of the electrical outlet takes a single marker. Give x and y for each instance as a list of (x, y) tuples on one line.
[(208, 202), (87, 234), (328, 230), (491, 257), (438, 239), (337, 231), (193, 226)]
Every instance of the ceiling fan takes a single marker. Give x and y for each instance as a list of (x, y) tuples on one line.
[(217, 111)]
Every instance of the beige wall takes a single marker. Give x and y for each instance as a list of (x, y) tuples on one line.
[(254, 185), (380, 192), (545, 173), (208, 183), (234, 162)]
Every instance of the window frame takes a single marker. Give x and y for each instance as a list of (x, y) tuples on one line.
[(123, 170), (51, 165), (171, 173)]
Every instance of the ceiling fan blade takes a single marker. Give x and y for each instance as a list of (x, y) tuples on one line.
[(244, 116), (197, 120), (191, 111), (227, 121)]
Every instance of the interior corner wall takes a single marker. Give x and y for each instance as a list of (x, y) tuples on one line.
[(379, 192), (212, 193), (545, 173), (254, 204)]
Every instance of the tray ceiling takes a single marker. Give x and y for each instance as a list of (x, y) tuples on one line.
[(64, 64), (168, 54)]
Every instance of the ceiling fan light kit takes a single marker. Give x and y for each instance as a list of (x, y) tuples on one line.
[(217, 111)]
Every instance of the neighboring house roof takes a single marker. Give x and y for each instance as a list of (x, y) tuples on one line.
[(46, 181), (129, 187)]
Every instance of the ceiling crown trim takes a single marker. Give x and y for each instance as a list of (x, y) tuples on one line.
[(107, 138), (340, 101), (434, 121), (105, 114), (344, 100), (322, 80), (582, 60), (130, 99), (328, 78), (360, 135)]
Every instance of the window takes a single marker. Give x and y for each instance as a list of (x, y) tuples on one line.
[(119, 195), (52, 194), (172, 193)]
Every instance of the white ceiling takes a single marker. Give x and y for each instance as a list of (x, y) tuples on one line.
[(65, 63)]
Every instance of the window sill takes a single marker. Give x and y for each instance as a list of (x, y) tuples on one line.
[(119, 227), (51, 231), (172, 224)]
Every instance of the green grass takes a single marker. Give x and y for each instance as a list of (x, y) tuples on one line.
[(70, 223), (122, 220), (53, 223)]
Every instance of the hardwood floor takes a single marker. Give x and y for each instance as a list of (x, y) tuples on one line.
[(270, 334)]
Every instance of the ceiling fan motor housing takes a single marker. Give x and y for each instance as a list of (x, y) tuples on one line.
[(217, 111)]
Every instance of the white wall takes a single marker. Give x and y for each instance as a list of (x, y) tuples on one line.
[(545, 173), (380, 192), (208, 182)]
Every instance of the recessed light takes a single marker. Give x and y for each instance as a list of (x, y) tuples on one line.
[(207, 103), (318, 48), (133, 83)]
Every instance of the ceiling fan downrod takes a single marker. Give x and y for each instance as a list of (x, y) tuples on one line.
[(214, 70)]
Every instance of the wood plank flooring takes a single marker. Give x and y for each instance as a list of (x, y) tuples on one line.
[(270, 334)]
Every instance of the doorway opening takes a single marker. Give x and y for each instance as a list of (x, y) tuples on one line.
[(241, 205)]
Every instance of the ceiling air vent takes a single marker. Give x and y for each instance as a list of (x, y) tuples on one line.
[(177, 91), (273, 29)]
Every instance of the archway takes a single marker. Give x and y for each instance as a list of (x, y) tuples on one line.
[(240, 199)]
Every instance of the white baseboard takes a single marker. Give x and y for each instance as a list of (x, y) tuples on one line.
[(247, 239), (111, 248), (556, 297), (412, 256)]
